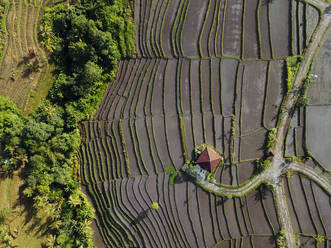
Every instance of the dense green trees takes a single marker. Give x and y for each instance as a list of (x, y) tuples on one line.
[(86, 40)]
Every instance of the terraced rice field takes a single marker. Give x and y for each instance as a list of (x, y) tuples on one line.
[(24, 70), (205, 72)]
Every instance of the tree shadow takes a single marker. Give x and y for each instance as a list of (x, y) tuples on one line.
[(141, 216), (266, 2), (181, 178), (261, 193)]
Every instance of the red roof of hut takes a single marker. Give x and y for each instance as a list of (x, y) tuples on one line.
[(209, 159)]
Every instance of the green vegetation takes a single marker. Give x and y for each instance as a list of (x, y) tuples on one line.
[(319, 239), (85, 40), (262, 165), (171, 169), (4, 5), (155, 206), (281, 237), (5, 236), (292, 65), (272, 138)]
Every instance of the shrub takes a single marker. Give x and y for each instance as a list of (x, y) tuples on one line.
[(155, 206)]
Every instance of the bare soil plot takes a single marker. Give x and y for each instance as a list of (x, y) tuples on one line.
[(280, 23), (252, 146), (245, 171), (251, 27), (265, 31), (302, 218), (180, 91), (232, 36), (318, 133), (320, 91), (253, 94), (274, 92)]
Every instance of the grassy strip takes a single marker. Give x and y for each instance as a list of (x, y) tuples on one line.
[(135, 113), (96, 156), (83, 162), (191, 101), (211, 28), (131, 79), (14, 45), (243, 30), (258, 23), (202, 29), (144, 34), (18, 25), (217, 27), (299, 49), (201, 101), (182, 28), (149, 29), (135, 147), (154, 140), (108, 163), (183, 136), (162, 24), (3, 29), (179, 29), (112, 156), (100, 164), (223, 26), (174, 27), (265, 99), (124, 148), (90, 164), (269, 32), (139, 149), (155, 25), (151, 118)]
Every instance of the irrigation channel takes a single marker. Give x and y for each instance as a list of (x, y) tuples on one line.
[(279, 165)]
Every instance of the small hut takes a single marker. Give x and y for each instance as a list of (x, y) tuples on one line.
[(209, 159)]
